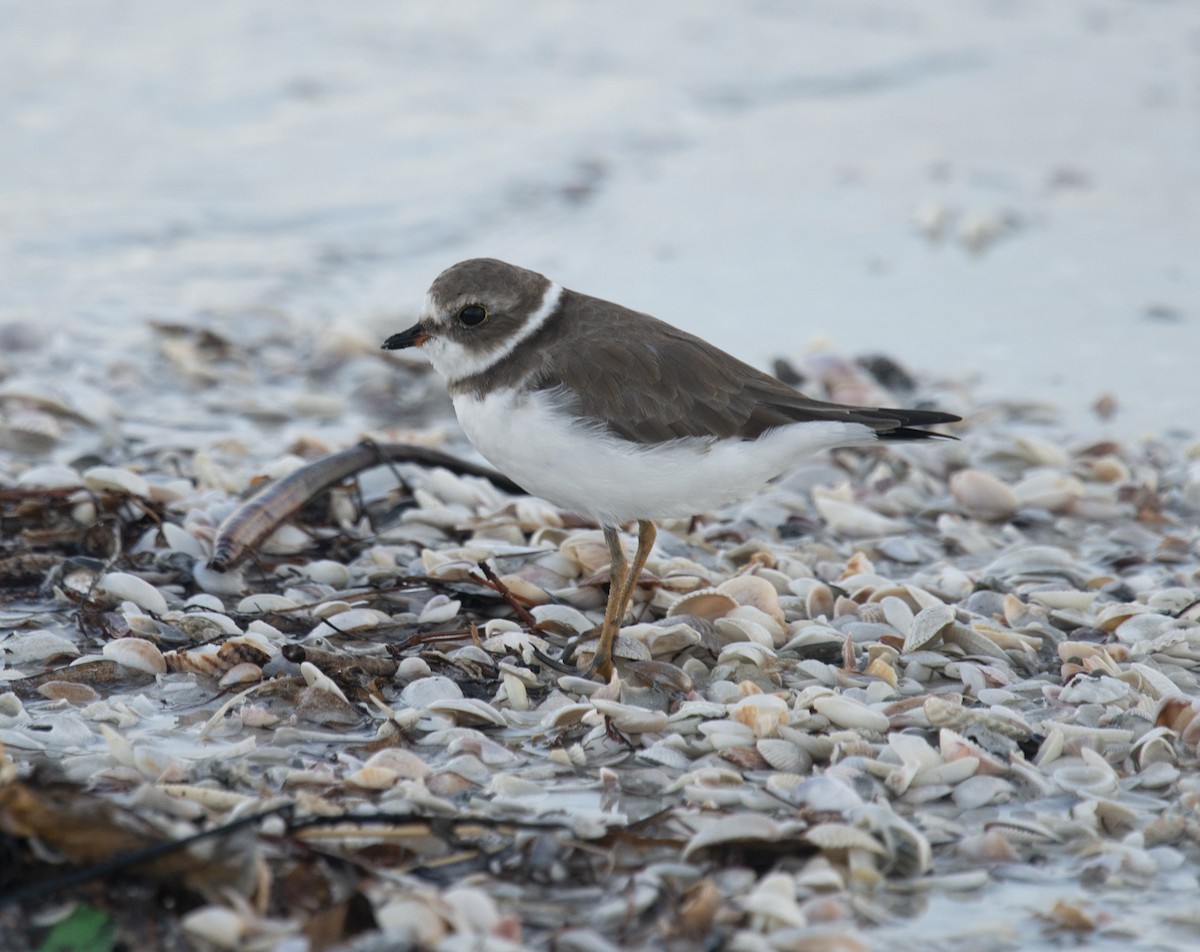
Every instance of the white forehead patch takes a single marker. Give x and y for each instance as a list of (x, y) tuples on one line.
[(455, 362)]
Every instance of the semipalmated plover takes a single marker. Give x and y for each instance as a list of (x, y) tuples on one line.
[(615, 415)]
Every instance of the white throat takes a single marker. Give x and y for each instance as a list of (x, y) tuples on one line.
[(455, 362)]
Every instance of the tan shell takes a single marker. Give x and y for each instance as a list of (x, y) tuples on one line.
[(762, 713), (707, 603), (588, 551), (981, 494), (754, 591)]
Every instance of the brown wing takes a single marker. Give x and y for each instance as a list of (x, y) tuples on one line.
[(671, 384)]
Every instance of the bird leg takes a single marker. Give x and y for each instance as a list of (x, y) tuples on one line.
[(622, 579)]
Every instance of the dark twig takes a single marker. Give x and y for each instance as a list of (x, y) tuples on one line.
[(513, 602)]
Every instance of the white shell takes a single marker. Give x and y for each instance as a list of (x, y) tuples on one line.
[(136, 653), (131, 588), (847, 712)]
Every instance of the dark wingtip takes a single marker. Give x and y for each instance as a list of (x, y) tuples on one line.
[(910, 420)]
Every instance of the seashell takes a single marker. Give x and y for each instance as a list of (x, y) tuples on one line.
[(588, 551), (137, 654), (747, 652), (945, 713), (980, 791), (68, 691), (112, 479), (973, 642), (1090, 775), (927, 627), (425, 691), (838, 837), (203, 660), (567, 716), (38, 645), (629, 718), (564, 618), (852, 520), (50, 476), (670, 640), (819, 601), (216, 926), (846, 712), (527, 592), (264, 602), (317, 679), (878, 668), (1154, 747), (372, 778), (783, 755), (953, 746), (130, 588), (352, 619), (439, 610), (771, 904), (754, 592), (707, 603), (242, 673), (327, 572), (1018, 830), (467, 710), (288, 539), (736, 829), (897, 613), (725, 733), (1048, 489), (738, 630), (762, 713), (907, 849), (662, 752), (981, 494)]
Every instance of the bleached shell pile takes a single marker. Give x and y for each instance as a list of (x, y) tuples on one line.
[(935, 670)]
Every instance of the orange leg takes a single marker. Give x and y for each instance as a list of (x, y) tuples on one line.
[(623, 578)]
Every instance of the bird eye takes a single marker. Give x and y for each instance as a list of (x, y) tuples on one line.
[(473, 315)]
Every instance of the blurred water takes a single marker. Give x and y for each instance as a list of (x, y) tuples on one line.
[(749, 171)]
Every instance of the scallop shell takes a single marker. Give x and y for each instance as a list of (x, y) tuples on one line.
[(755, 592), (835, 837), (783, 755), (707, 603)]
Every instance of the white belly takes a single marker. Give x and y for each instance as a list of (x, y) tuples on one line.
[(586, 470)]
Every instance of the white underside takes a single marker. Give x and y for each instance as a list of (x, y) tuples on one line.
[(584, 469)]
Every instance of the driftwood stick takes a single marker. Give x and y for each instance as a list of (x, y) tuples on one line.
[(260, 515)]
